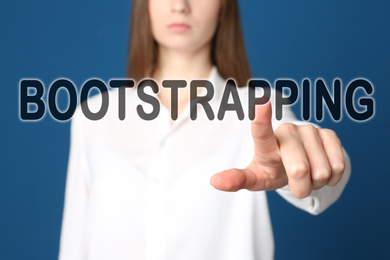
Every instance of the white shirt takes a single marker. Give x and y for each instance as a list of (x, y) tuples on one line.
[(141, 189)]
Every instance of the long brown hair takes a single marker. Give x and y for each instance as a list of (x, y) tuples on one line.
[(228, 51)]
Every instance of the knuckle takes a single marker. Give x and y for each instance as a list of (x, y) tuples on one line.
[(334, 180), (309, 129), (330, 134), (262, 136), (288, 128), (299, 170), (338, 168), (301, 194), (322, 175)]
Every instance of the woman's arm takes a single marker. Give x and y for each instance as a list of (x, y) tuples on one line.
[(305, 164)]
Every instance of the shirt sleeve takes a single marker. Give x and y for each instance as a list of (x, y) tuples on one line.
[(73, 241), (321, 199)]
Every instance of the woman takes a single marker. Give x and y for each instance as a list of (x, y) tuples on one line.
[(139, 189)]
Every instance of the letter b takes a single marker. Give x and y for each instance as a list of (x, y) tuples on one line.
[(26, 99)]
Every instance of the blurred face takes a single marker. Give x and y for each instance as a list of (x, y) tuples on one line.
[(184, 25)]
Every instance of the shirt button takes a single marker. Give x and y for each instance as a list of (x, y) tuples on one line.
[(156, 181)]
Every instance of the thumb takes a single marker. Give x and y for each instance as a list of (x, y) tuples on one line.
[(233, 180)]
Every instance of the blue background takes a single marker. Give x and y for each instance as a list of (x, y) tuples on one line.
[(285, 39)]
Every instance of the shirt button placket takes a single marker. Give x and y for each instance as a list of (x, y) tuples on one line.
[(155, 199)]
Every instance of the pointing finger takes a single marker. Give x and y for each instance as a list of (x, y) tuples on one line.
[(266, 146)]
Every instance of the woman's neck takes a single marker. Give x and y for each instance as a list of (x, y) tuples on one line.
[(173, 64)]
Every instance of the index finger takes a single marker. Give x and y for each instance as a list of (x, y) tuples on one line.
[(263, 133)]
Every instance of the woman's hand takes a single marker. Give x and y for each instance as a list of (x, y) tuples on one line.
[(304, 157)]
